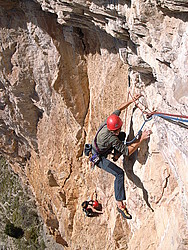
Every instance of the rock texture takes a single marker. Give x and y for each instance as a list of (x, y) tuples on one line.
[(64, 68), (17, 206)]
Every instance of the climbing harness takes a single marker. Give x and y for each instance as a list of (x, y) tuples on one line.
[(94, 158), (97, 156)]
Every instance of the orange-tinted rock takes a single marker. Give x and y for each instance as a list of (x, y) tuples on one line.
[(58, 83)]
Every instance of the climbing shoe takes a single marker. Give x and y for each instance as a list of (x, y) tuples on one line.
[(124, 212)]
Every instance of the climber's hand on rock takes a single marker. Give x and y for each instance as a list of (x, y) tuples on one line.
[(146, 134)]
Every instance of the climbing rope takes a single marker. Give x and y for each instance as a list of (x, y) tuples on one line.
[(139, 132), (151, 114), (143, 111), (145, 120), (181, 118), (129, 81)]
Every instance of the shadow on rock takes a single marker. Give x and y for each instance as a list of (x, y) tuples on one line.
[(128, 164)]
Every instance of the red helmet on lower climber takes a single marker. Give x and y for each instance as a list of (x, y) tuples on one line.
[(114, 122)]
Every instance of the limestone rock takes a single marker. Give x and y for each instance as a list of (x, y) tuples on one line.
[(65, 66), (174, 6)]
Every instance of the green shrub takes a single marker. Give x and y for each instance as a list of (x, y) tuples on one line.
[(12, 231)]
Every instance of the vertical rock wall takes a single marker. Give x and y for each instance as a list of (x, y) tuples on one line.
[(64, 68)]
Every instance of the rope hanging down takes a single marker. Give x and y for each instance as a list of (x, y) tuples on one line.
[(145, 120), (150, 114), (139, 132)]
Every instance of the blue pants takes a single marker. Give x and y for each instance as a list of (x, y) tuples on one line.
[(112, 168)]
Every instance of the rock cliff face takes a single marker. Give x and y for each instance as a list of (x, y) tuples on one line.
[(64, 68)]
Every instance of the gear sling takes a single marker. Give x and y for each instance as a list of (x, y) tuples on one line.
[(95, 159)]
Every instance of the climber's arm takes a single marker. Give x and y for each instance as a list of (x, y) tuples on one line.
[(95, 210), (133, 147), (126, 105)]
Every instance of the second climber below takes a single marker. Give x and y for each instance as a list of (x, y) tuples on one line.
[(109, 139)]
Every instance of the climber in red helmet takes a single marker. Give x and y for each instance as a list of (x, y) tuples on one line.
[(108, 139), (92, 207)]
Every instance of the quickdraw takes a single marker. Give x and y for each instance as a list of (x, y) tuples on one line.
[(149, 115)]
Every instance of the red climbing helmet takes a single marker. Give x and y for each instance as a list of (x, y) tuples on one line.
[(114, 122), (95, 204)]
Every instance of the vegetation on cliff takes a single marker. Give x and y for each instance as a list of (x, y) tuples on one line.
[(21, 226)]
